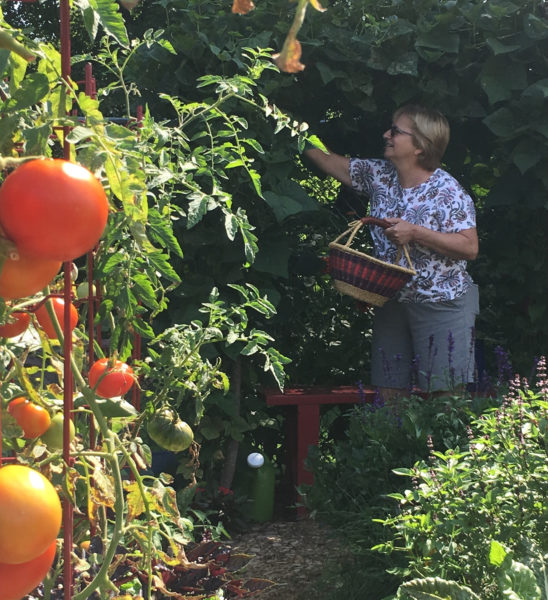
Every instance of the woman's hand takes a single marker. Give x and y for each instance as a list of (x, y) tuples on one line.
[(402, 232), (459, 245)]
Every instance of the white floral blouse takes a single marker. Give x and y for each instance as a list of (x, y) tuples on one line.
[(440, 204)]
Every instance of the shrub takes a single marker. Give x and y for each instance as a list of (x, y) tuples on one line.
[(491, 490), (354, 475)]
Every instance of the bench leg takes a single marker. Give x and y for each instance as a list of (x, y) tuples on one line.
[(308, 430)]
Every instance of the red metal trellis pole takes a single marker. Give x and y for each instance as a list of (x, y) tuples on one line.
[(68, 512)]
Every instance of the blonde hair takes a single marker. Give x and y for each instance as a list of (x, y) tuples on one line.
[(430, 133)]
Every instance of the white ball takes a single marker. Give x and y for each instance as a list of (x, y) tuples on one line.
[(255, 460)]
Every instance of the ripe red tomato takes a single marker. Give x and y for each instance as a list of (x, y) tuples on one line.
[(32, 418), (109, 382), (53, 209), (43, 318), (30, 514), (16, 324), (26, 275), (16, 581)]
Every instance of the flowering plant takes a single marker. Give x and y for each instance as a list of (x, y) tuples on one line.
[(463, 501)]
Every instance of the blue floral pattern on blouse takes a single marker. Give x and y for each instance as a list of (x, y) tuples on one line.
[(440, 204)]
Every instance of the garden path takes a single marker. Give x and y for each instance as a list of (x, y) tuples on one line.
[(293, 554)]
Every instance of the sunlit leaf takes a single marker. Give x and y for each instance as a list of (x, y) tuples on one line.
[(109, 16), (135, 500), (315, 4), (33, 88)]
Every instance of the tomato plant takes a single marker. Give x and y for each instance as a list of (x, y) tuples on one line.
[(45, 321), (169, 431), (53, 209), (110, 379), (26, 275), (30, 514), (18, 580), (17, 323), (53, 436), (33, 419)]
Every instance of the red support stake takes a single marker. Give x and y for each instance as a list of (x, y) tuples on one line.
[(68, 405), (90, 88), (68, 510)]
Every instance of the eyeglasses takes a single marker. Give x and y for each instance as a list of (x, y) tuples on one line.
[(395, 130)]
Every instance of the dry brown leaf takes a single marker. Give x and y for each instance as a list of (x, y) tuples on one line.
[(242, 7), (288, 60)]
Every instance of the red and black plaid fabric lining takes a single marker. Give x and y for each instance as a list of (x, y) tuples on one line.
[(364, 274)]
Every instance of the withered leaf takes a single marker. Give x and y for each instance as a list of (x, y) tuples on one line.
[(242, 7), (288, 60)]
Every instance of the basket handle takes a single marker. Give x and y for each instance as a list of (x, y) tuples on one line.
[(355, 226), (374, 221)]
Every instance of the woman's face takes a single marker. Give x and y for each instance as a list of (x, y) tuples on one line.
[(399, 143)]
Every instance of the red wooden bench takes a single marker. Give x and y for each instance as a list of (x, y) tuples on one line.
[(304, 423)]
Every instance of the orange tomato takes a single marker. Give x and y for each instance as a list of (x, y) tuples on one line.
[(19, 580), (16, 405), (32, 418), (16, 324), (30, 514), (26, 275), (45, 322)]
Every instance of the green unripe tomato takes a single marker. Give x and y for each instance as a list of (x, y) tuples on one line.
[(53, 436), (169, 431), (82, 291)]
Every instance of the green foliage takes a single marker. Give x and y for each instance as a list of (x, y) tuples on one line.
[(480, 62), (355, 473), (434, 588), (163, 179), (447, 495), (516, 580), (464, 503), (177, 371)]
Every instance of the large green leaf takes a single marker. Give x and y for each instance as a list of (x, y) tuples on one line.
[(273, 258), (435, 588), (31, 91), (107, 14), (432, 45), (288, 200), (526, 154), (504, 123), (500, 76)]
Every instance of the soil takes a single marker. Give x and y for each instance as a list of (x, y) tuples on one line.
[(292, 554)]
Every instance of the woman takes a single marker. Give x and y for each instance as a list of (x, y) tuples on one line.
[(425, 336)]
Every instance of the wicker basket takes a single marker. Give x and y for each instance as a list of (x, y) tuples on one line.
[(363, 277)]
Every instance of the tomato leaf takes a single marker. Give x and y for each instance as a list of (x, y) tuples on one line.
[(110, 17), (143, 290), (32, 89), (143, 328), (197, 208), (36, 139), (160, 262), (161, 232)]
